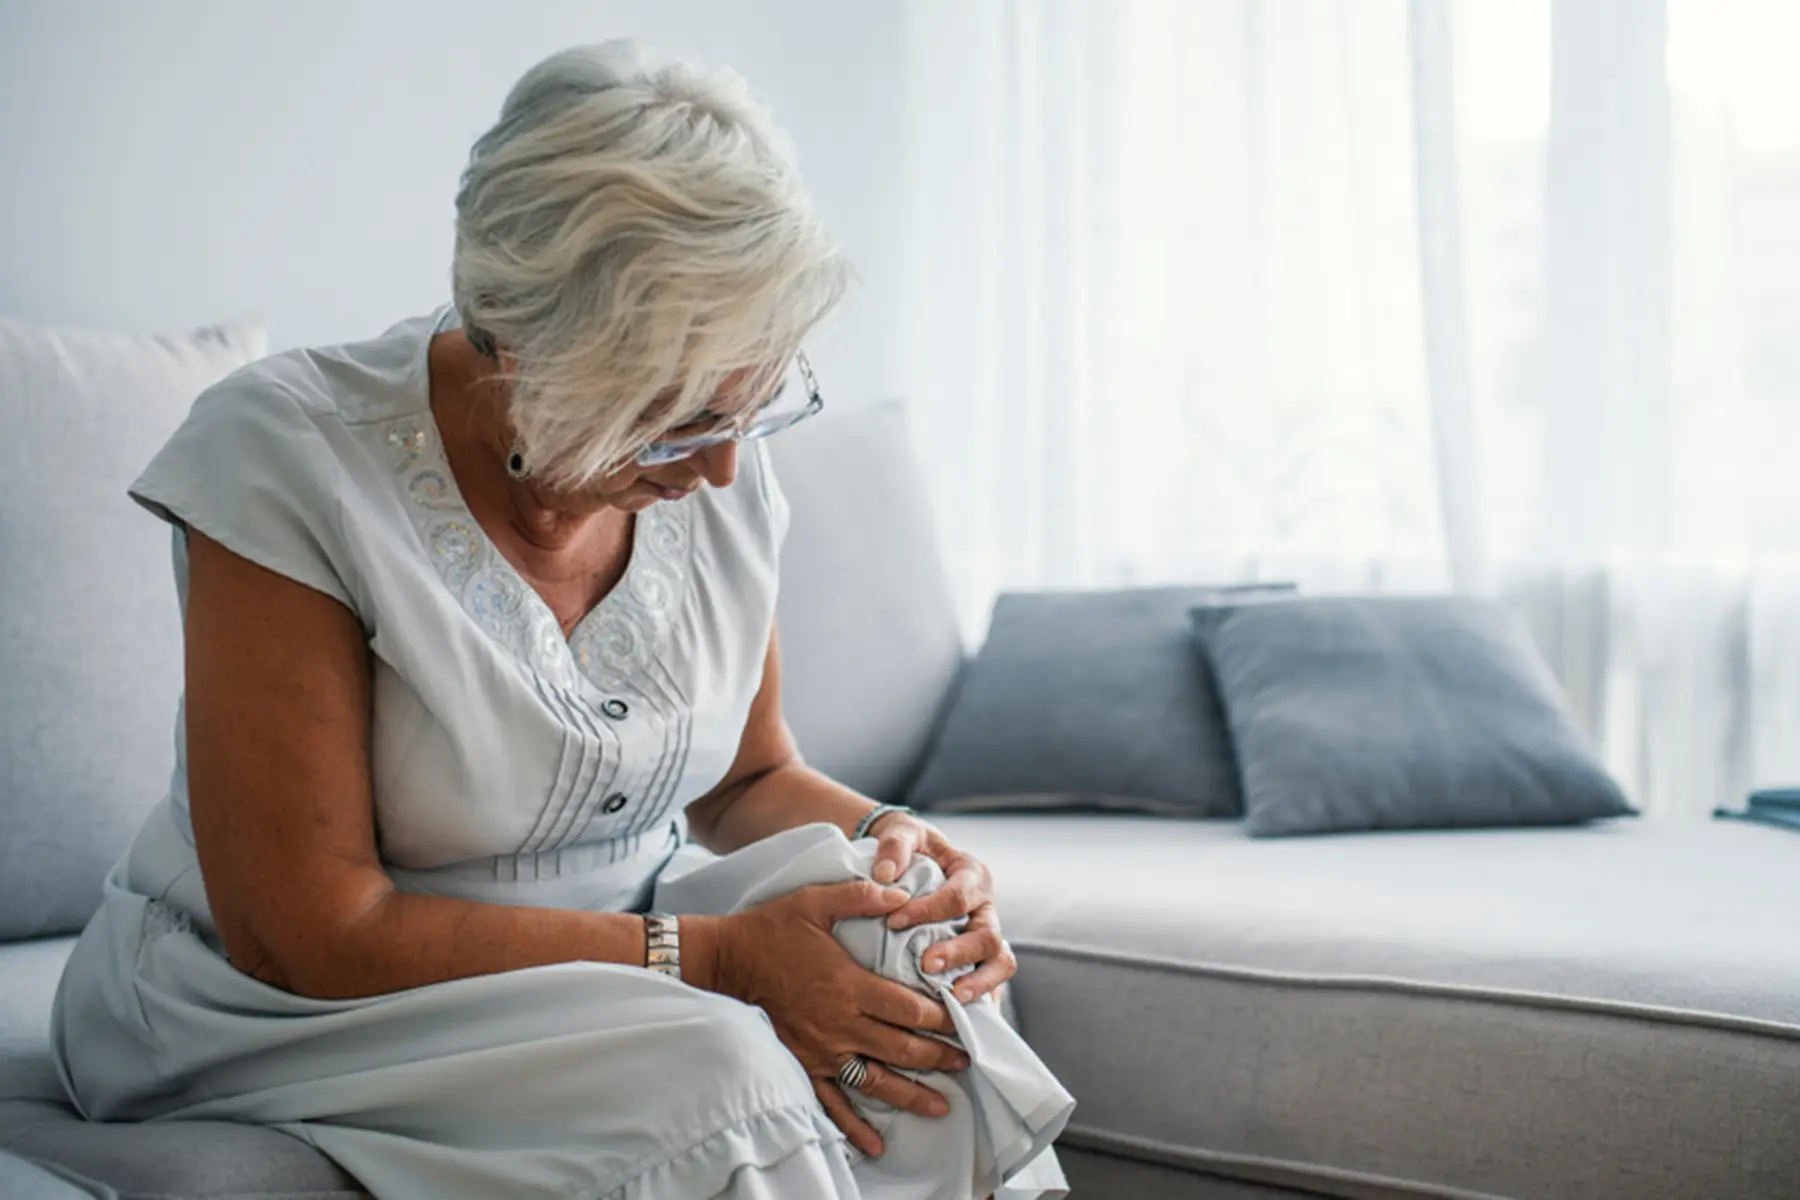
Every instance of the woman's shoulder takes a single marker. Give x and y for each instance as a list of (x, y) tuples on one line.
[(353, 383), (261, 461), (294, 419)]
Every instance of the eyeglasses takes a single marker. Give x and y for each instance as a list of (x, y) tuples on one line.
[(668, 450)]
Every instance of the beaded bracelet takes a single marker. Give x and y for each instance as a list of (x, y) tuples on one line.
[(875, 814)]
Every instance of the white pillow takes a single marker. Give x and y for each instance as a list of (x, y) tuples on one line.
[(90, 639), (869, 641)]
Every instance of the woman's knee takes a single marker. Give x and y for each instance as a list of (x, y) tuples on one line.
[(734, 1044)]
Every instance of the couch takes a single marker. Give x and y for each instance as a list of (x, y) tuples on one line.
[(1605, 1013)]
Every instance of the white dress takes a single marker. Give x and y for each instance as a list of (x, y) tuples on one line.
[(510, 766)]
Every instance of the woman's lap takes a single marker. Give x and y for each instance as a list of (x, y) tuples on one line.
[(582, 1077)]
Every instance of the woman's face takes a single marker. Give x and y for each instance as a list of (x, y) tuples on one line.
[(634, 488)]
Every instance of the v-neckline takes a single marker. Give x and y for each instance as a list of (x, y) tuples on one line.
[(633, 540), (616, 643), (455, 500)]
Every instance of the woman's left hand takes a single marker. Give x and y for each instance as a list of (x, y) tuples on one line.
[(967, 891)]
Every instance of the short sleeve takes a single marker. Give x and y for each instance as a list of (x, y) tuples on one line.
[(251, 470)]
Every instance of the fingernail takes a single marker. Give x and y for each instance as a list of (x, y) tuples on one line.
[(937, 1108), (885, 872), (960, 1063), (965, 995), (899, 922), (934, 962), (895, 896)]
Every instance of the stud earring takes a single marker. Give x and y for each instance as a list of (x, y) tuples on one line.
[(516, 466)]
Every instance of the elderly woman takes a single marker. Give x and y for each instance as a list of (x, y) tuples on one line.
[(480, 630)]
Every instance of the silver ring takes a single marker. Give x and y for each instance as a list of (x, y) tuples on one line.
[(854, 1073)]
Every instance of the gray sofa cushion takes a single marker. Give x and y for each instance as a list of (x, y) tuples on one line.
[(1097, 1174), (90, 643), (1599, 1013), (22, 1180), (29, 972), (869, 637), (174, 1160), (1608, 1012), (1089, 700), (1397, 713), (189, 1160)]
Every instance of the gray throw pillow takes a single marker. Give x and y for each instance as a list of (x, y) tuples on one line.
[(1396, 713), (1088, 700)]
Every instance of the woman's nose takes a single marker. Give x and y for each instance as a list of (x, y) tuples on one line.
[(719, 464)]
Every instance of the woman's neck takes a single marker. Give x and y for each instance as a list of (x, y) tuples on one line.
[(469, 404)]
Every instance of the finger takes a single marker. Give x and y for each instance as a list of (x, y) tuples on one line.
[(897, 1047), (830, 903), (988, 976), (898, 1005), (895, 850), (961, 894), (896, 1089), (862, 1135), (967, 949)]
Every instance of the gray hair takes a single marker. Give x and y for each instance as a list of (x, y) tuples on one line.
[(632, 238)]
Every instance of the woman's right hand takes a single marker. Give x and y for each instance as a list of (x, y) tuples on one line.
[(782, 956)]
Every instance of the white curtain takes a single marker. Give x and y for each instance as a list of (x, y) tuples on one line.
[(1500, 295)]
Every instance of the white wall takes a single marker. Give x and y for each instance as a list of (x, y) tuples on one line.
[(164, 163)]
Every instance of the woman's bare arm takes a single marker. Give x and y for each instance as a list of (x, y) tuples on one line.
[(769, 788), (278, 714)]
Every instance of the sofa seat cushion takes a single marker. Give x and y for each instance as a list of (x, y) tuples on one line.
[(194, 1160), (1589, 1012), (28, 975), (24, 1180)]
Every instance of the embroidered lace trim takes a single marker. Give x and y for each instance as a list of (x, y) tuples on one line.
[(612, 644)]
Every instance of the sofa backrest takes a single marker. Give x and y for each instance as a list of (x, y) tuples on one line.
[(870, 643), (90, 641)]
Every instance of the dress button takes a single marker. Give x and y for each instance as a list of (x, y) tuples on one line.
[(616, 709), (614, 803)]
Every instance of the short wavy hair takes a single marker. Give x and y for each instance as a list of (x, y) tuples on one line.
[(633, 238)]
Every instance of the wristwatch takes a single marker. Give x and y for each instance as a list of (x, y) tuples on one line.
[(662, 943)]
